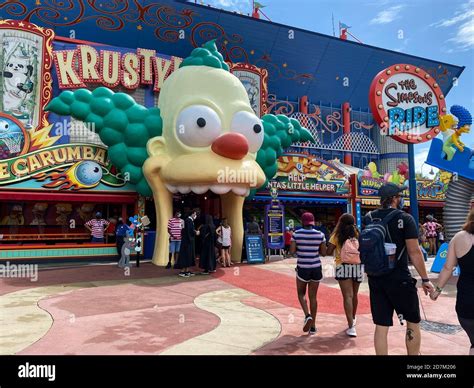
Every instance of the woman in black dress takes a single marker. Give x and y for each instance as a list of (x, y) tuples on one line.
[(187, 256), (461, 251), (207, 232)]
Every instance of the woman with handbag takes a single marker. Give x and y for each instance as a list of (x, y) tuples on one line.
[(345, 246)]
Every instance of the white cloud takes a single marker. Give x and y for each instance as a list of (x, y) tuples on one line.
[(463, 22), (388, 15), (244, 6), (420, 158)]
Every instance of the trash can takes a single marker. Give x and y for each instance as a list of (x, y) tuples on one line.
[(150, 236)]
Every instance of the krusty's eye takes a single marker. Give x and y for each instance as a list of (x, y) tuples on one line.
[(198, 126), (251, 127)]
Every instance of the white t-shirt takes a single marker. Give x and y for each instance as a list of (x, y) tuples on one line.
[(225, 237)]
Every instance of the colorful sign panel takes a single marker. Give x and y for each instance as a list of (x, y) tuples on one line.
[(37, 150), (111, 68), (254, 249), (406, 102), (275, 225), (35, 156), (428, 190), (310, 175), (25, 76)]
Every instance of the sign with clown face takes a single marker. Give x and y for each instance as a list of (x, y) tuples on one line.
[(406, 102)]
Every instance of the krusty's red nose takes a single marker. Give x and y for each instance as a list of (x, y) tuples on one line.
[(231, 145)]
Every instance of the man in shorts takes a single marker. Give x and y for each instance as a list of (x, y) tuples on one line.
[(308, 243), (397, 291), (175, 226)]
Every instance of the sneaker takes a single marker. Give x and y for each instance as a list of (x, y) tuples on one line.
[(183, 274), (190, 273), (351, 332), (204, 273), (307, 323), (168, 266), (213, 271), (313, 331), (354, 321)]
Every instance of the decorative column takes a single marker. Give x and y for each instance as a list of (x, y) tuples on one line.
[(303, 104), (346, 121)]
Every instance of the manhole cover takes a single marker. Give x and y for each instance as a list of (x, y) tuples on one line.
[(439, 327)]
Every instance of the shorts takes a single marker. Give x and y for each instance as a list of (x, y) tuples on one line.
[(309, 274), (347, 271), (175, 245), (389, 294), (225, 247), (97, 239)]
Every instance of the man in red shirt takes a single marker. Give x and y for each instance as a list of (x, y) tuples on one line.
[(175, 226), (97, 228)]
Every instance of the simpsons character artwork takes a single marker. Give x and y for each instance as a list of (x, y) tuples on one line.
[(203, 126)]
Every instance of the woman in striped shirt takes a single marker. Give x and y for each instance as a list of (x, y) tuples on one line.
[(308, 243)]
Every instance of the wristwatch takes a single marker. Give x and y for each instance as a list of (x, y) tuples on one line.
[(425, 280), (438, 289)]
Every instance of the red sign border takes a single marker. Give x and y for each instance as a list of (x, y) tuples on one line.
[(379, 112)]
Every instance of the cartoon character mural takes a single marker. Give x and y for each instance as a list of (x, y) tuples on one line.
[(453, 156), (202, 136), (15, 217), (85, 212), (39, 210), (63, 210), (453, 130), (20, 63)]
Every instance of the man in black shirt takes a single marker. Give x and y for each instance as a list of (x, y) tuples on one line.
[(396, 291)]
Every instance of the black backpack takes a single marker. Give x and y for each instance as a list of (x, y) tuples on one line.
[(371, 245)]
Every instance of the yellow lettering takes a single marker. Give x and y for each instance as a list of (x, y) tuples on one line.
[(59, 155), (100, 157), (4, 171), (73, 154), (162, 67), (130, 77), (110, 67), (88, 153), (47, 158), (65, 61), (16, 170), (34, 163), (89, 58), (147, 70)]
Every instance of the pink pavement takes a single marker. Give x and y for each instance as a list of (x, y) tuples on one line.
[(149, 318)]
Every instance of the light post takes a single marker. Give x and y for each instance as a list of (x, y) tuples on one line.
[(431, 172)]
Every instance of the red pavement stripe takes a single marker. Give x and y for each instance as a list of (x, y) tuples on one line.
[(282, 289)]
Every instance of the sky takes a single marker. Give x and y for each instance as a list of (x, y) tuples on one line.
[(441, 30)]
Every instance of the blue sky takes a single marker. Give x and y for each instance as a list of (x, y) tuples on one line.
[(437, 29)]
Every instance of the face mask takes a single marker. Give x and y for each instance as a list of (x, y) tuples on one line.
[(401, 204)]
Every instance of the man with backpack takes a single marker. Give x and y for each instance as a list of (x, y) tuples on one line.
[(390, 236)]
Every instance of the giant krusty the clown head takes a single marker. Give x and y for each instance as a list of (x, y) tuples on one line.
[(202, 136)]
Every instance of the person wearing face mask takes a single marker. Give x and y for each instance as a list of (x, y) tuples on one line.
[(397, 289), (187, 254)]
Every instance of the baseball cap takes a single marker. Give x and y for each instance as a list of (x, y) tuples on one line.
[(98, 214), (307, 219), (389, 190)]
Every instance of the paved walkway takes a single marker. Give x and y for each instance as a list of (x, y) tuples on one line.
[(246, 309)]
